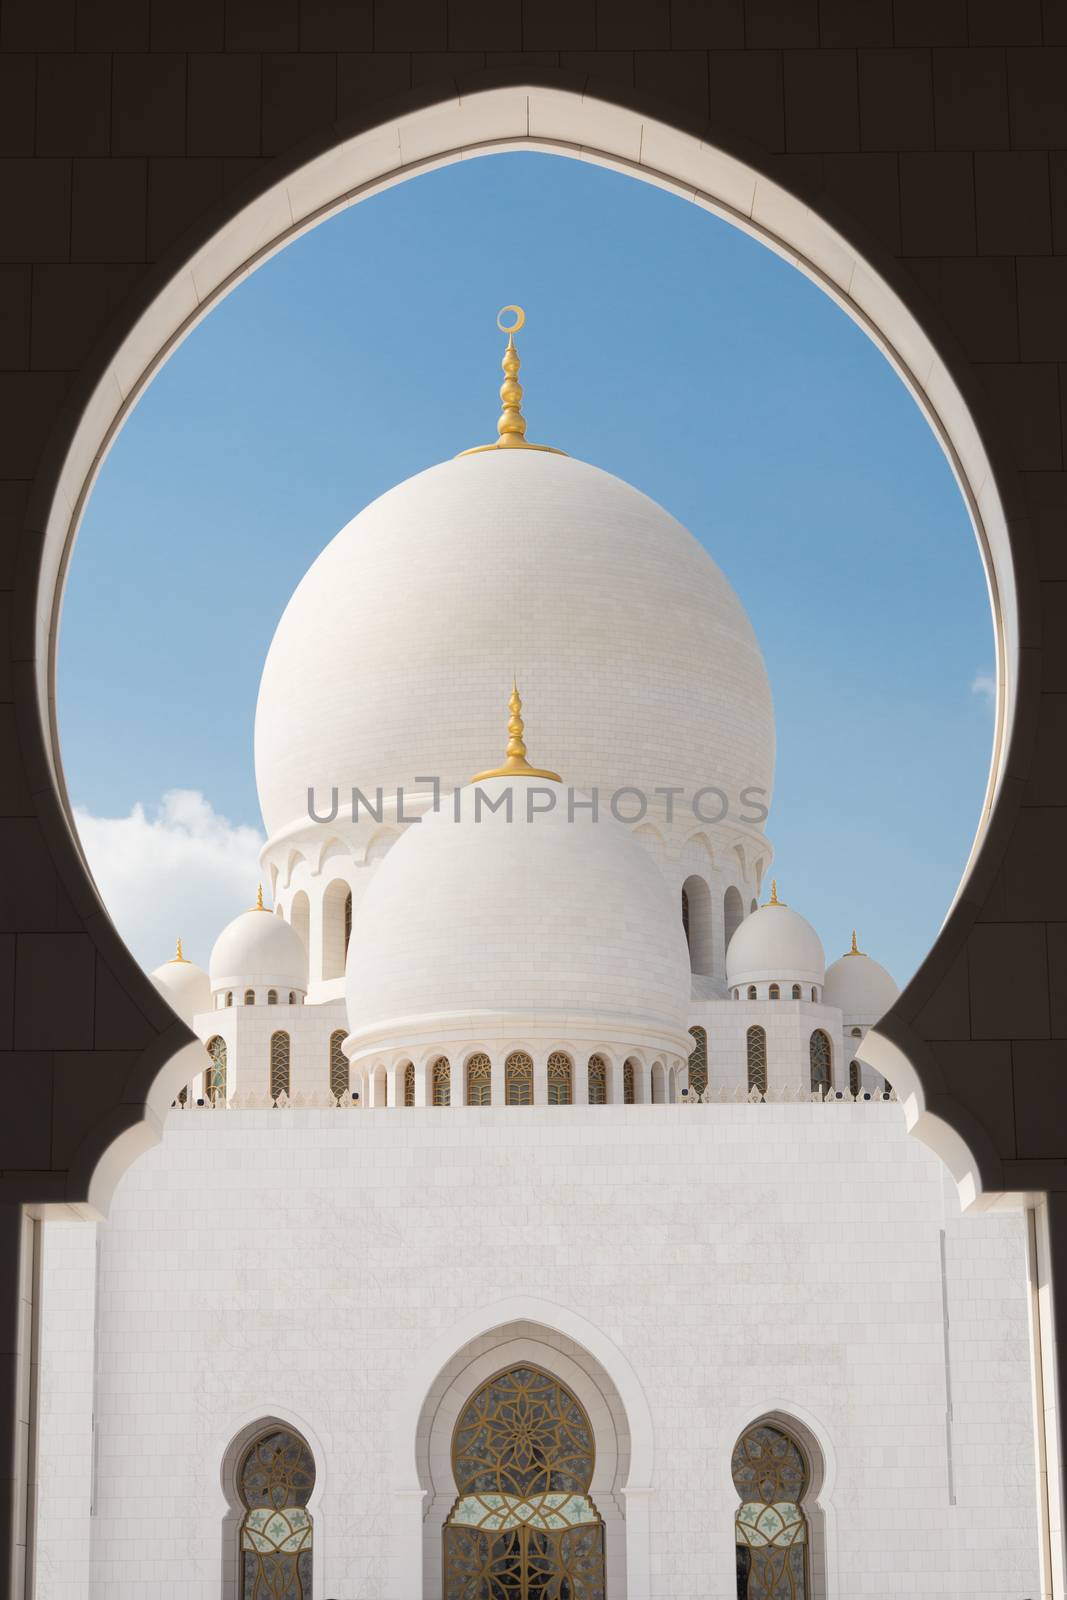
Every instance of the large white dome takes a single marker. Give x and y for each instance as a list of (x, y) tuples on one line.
[(184, 985), (860, 987), (260, 950), (393, 657), (536, 927), (775, 944)]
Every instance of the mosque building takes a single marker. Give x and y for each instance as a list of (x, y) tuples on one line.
[(531, 1227)]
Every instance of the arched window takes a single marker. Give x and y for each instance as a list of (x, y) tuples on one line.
[(336, 927), (279, 1064), (737, 994), (215, 1075), (272, 997), (338, 1065), (774, 993), (229, 998), (250, 997), (697, 918), (752, 991), (628, 1083), (523, 1523), (733, 913), (771, 1531), (857, 1033), (819, 1054), (292, 997), (479, 1080), (409, 1084), (518, 1079), (560, 1079), (853, 1077), (814, 992), (598, 1081), (796, 991), (274, 1480), (698, 1061), (442, 1082), (756, 1051)]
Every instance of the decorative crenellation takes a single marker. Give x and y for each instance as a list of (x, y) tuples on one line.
[(786, 1094)]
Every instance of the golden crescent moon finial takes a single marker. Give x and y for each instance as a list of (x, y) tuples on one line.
[(520, 319)]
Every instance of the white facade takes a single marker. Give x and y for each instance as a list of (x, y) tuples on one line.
[(552, 1092)]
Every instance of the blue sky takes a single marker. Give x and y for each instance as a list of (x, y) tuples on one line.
[(661, 344)]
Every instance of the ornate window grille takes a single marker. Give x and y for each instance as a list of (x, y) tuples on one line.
[(442, 1082), (770, 1529), (819, 1054), (698, 1061), (279, 1064), (274, 1481), (560, 1079), (518, 1079), (756, 1049), (409, 1084), (598, 1081), (628, 1083), (523, 1524), (479, 1080), (338, 1066), (215, 1076)]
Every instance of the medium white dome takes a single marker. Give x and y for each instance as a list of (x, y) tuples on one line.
[(185, 986), (395, 652), (775, 945), (860, 987), (259, 950), (534, 928)]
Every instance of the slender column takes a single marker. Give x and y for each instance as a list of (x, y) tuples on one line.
[(540, 1078), (423, 1085), (395, 1074), (580, 1080), (616, 1087), (499, 1093)]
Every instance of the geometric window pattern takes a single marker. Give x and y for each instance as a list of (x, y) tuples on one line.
[(338, 1066), (598, 1081), (479, 1080), (518, 1079), (628, 1083), (559, 1079), (442, 1081), (698, 1061), (409, 1084), (275, 1480), (771, 1531), (523, 1526), (819, 1051), (215, 1076), (279, 1064), (348, 920), (756, 1043)]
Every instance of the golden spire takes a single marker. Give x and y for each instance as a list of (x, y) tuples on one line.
[(516, 764), (177, 956), (855, 951), (774, 900), (511, 426), (259, 906)]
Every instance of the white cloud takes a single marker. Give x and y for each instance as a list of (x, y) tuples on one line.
[(184, 870), (984, 685)]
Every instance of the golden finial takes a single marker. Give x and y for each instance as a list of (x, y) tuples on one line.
[(516, 764), (177, 956), (855, 951), (259, 906), (774, 900), (511, 427)]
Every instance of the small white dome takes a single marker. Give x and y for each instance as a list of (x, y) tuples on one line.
[(540, 927), (184, 985), (775, 945), (861, 988), (259, 950)]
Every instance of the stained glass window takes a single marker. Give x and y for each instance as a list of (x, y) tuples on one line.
[(756, 1045), (628, 1083), (524, 1526), (275, 1480), (518, 1079), (479, 1080), (442, 1082), (698, 1061), (409, 1084), (598, 1081), (771, 1531), (215, 1076), (819, 1053), (853, 1077), (560, 1078), (338, 1065), (279, 1064)]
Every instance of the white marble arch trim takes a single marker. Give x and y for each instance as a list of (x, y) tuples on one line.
[(218, 1468), (605, 1382), (818, 1502)]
